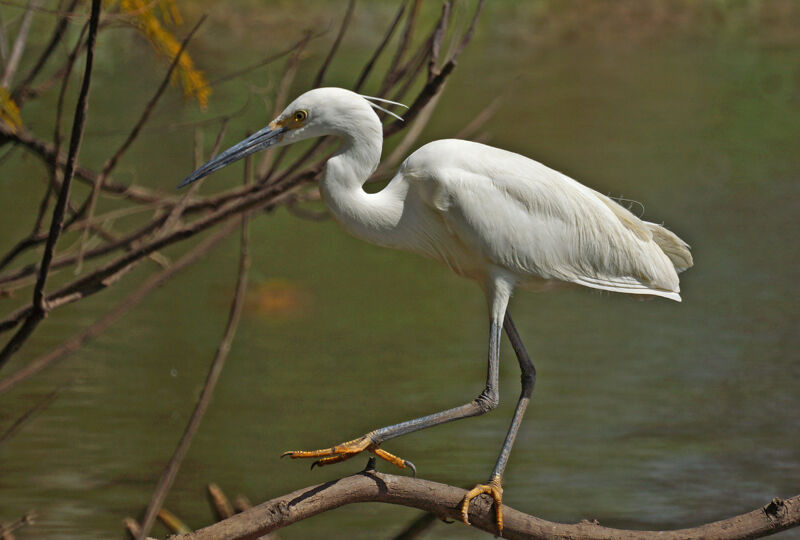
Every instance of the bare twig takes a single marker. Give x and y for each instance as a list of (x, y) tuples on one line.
[(412, 134), (438, 36), (19, 43), (143, 118), (371, 62), (335, 47), (7, 529), (266, 165), (434, 86), (171, 470), (37, 407), (100, 325), (220, 504), (261, 63), (55, 39), (39, 307), (391, 74), (445, 501)]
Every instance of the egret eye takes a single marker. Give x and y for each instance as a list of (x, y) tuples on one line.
[(300, 116)]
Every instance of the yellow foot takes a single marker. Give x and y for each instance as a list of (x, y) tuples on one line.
[(493, 488), (347, 450)]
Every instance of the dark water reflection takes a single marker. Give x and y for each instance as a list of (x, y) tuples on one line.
[(646, 414)]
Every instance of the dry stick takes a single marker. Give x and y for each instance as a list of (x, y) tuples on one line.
[(171, 470), (143, 118), (39, 307), (19, 43), (66, 260), (371, 62), (266, 167), (342, 29), (101, 324), (445, 502), (55, 39), (176, 213), (425, 51), (391, 73), (56, 139), (46, 153), (434, 86), (7, 529), (3, 43), (468, 131), (412, 133), (19, 422), (438, 36), (261, 63), (413, 68)]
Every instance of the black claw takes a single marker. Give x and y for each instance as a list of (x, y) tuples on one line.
[(314, 464), (370, 465), (410, 466)]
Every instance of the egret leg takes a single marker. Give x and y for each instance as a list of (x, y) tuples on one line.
[(485, 402), (494, 488)]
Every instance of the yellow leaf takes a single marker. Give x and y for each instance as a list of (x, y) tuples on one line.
[(9, 112), (193, 81)]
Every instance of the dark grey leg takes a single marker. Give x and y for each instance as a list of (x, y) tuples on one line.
[(495, 486), (528, 382)]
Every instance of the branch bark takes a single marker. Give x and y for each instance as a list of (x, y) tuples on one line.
[(445, 502)]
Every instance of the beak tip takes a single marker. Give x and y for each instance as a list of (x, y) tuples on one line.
[(186, 181)]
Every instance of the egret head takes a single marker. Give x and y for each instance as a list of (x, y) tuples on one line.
[(318, 112)]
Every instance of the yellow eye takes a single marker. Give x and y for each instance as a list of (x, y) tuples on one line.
[(300, 116)]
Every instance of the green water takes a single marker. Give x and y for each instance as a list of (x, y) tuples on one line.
[(646, 414)]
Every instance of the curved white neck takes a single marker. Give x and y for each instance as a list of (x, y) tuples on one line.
[(370, 216)]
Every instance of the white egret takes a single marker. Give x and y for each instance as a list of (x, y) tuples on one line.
[(492, 216)]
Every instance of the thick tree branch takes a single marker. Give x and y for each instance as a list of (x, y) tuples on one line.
[(445, 502)]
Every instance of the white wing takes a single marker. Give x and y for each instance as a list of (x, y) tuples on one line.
[(538, 223)]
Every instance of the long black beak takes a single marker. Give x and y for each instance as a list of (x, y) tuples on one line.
[(255, 142)]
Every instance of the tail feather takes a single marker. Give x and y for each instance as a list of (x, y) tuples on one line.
[(673, 247)]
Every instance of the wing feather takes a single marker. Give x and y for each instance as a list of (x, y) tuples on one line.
[(538, 223)]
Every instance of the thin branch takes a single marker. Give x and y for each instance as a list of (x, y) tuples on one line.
[(434, 86), (412, 134), (55, 39), (100, 325), (171, 470), (143, 118), (268, 60), (445, 502), (438, 36), (371, 62), (37, 407), (38, 305), (46, 152), (266, 165), (391, 73), (19, 43), (335, 47)]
